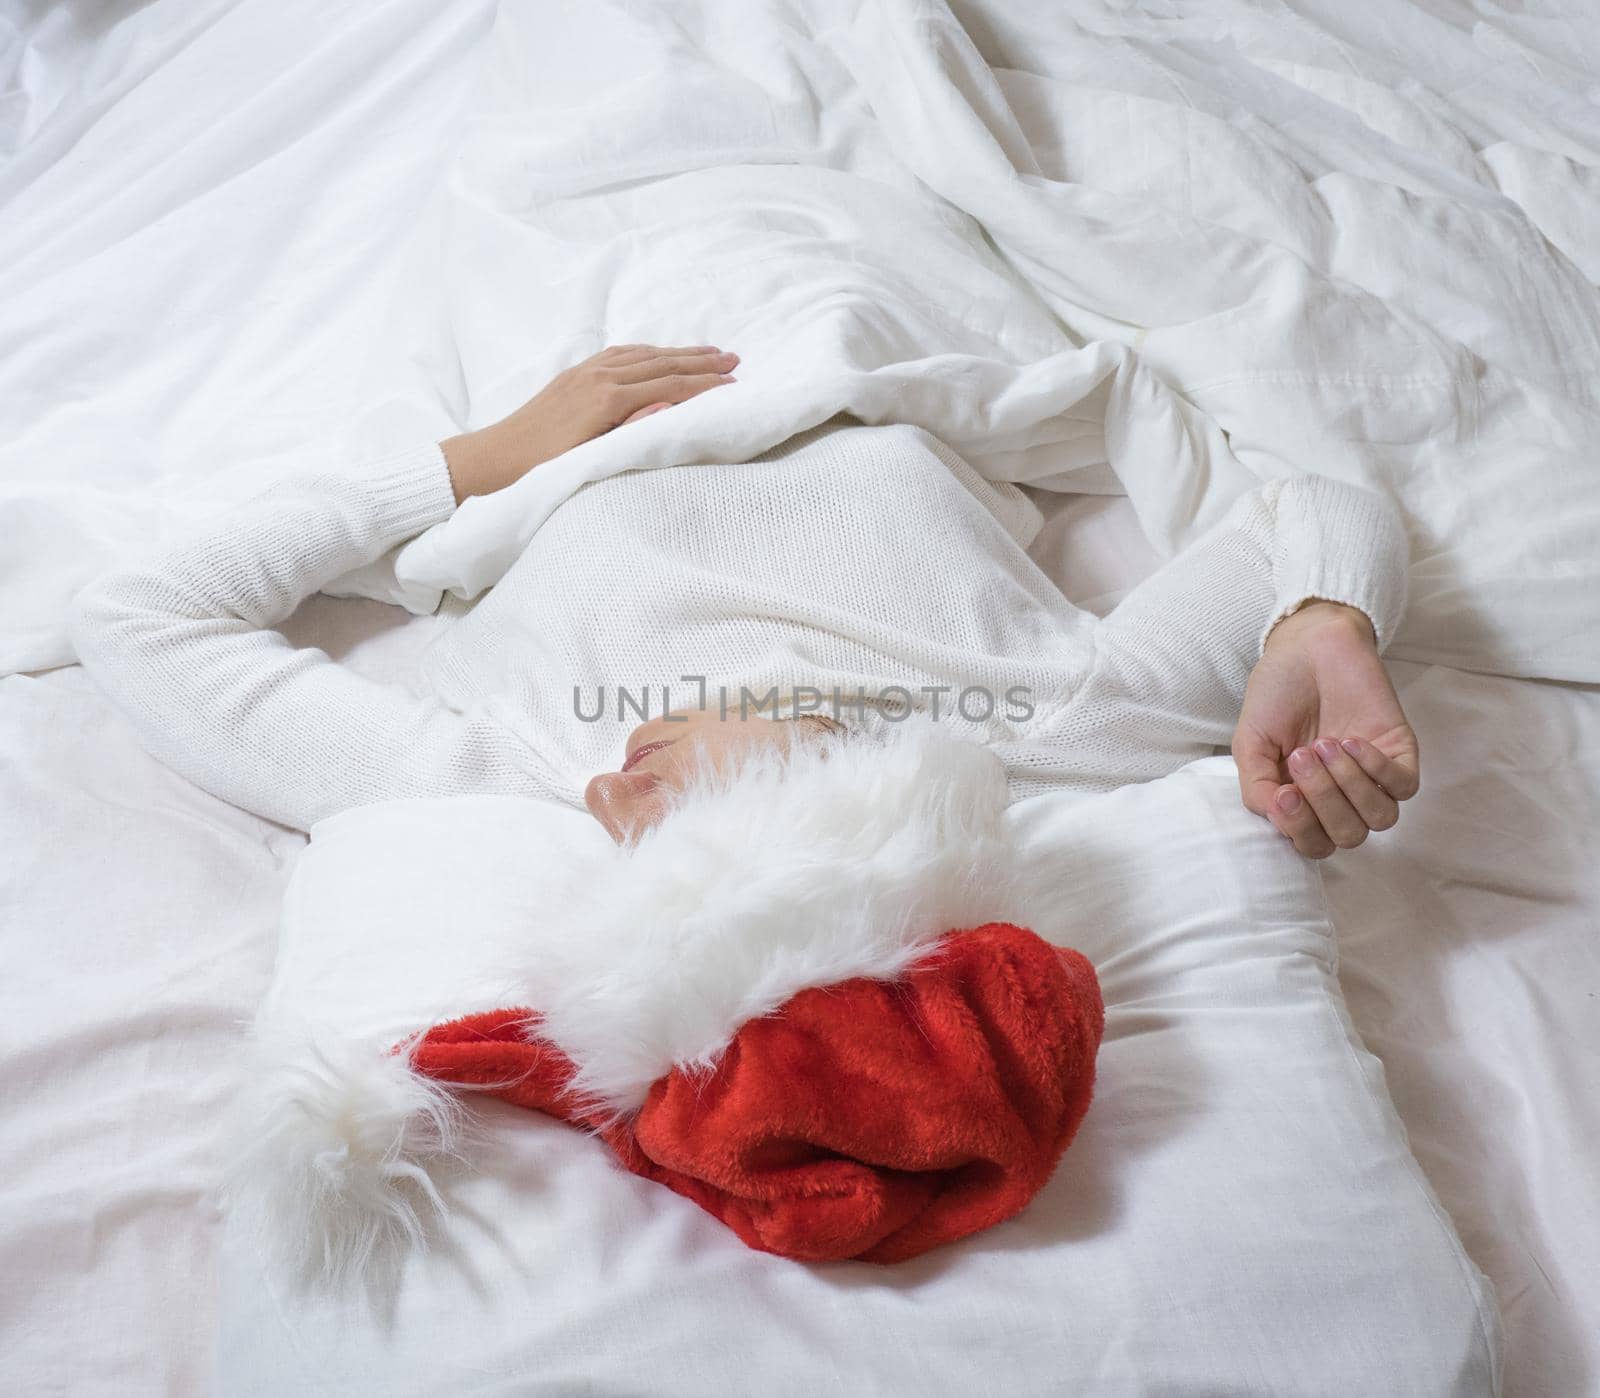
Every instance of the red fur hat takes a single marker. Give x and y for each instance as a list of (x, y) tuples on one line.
[(868, 1119)]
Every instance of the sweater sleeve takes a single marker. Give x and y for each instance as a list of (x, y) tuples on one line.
[(183, 644), (1172, 659)]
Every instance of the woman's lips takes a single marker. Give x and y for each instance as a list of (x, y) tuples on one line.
[(640, 753)]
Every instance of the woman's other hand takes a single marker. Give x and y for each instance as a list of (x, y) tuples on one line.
[(1323, 748), (619, 385)]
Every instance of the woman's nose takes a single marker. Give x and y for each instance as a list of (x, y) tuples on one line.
[(625, 803)]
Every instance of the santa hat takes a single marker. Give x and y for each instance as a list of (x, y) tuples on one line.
[(792, 1003)]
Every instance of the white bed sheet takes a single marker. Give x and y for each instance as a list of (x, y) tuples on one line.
[(245, 261)]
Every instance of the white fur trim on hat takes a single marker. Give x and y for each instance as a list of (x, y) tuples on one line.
[(835, 859), (329, 1148)]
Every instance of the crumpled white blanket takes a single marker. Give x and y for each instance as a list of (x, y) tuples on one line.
[(1168, 250)]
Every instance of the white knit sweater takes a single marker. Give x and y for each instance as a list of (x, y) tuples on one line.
[(865, 558)]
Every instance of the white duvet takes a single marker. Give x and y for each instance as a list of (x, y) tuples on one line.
[(1104, 262)]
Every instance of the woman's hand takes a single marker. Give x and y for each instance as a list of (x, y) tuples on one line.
[(1323, 748), (620, 384)]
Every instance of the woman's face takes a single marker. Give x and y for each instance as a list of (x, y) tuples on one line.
[(665, 753)]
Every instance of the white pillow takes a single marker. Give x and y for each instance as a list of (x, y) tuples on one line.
[(1239, 1213)]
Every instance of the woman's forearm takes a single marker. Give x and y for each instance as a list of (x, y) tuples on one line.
[(183, 645), (1337, 543), (1285, 549), (1174, 657)]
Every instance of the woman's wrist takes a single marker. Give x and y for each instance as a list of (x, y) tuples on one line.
[(471, 460), (1319, 611)]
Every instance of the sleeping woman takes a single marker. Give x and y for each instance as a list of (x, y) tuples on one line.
[(812, 596)]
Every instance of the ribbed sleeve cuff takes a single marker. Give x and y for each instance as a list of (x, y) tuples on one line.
[(1343, 544), (408, 491)]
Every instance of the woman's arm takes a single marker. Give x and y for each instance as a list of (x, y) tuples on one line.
[(1176, 657), (184, 645), (1208, 613)]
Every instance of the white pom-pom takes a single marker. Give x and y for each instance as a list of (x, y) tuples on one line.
[(330, 1148)]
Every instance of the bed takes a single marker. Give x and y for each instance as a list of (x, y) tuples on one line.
[(206, 234)]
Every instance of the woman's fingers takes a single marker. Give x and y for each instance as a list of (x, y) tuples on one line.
[(1398, 777), (1333, 810), (1256, 758), (1371, 802), (1293, 816), (613, 355), (644, 412), (670, 363), (675, 388), (1341, 792)]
